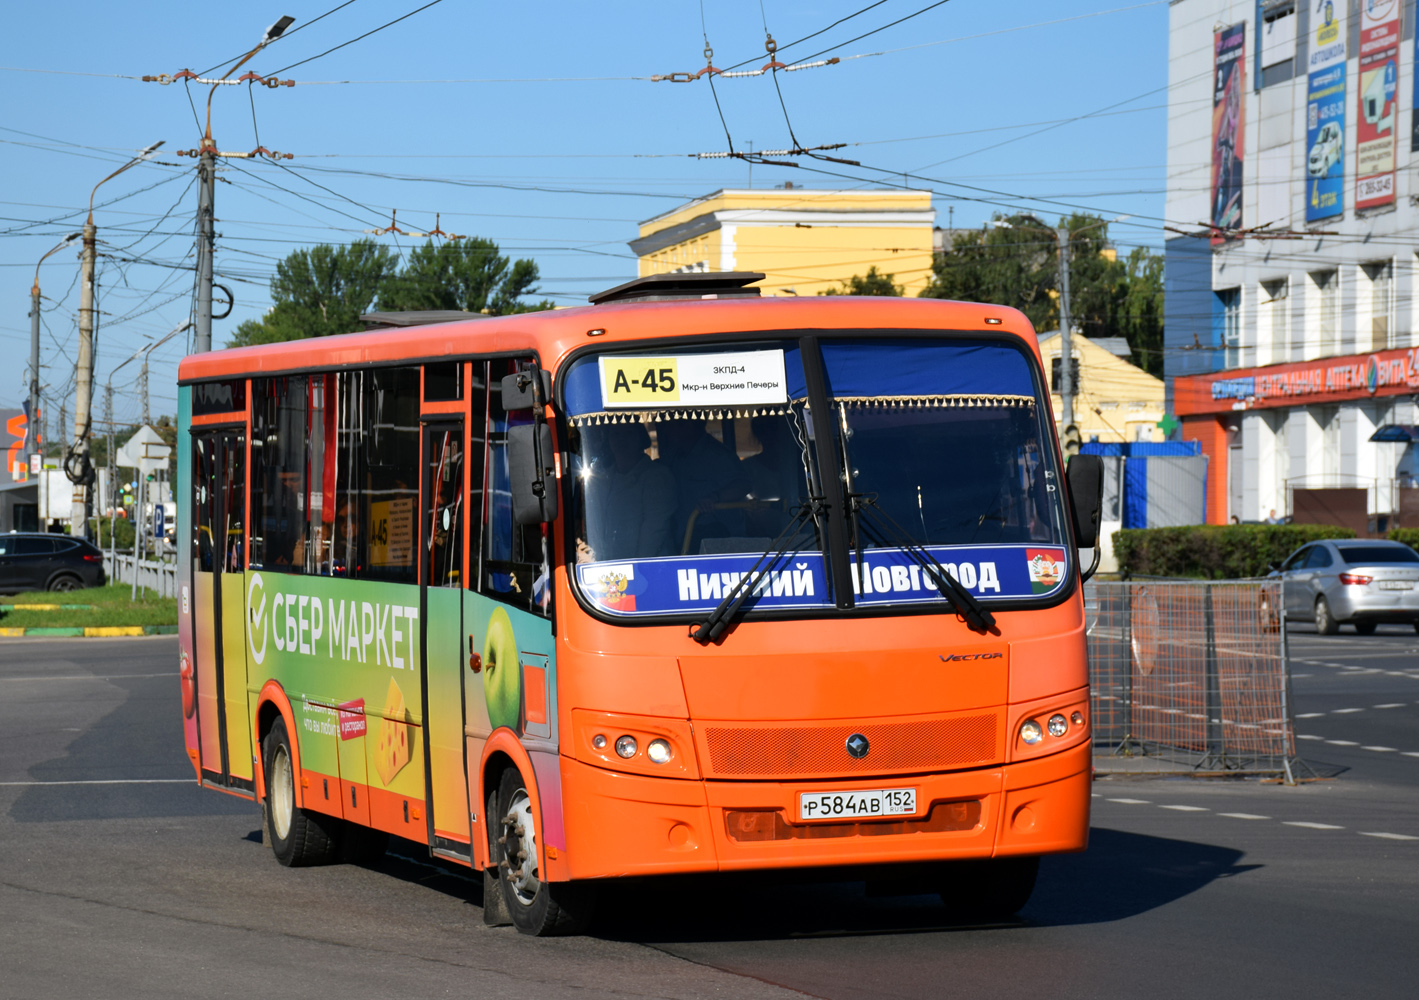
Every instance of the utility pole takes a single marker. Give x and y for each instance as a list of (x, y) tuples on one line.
[(1066, 346), (77, 467), (76, 463), (206, 191), (206, 183)]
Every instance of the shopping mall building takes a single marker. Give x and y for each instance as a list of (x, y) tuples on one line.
[(1290, 314)]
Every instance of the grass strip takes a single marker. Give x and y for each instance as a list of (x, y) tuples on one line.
[(108, 606)]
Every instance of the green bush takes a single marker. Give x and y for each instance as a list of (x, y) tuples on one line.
[(1215, 551), (1409, 536), (121, 526)]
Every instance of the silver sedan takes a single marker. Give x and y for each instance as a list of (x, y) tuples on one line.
[(1360, 582)]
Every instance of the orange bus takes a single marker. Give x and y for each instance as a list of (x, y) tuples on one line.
[(687, 580)]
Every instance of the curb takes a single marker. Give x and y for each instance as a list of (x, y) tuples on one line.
[(90, 632), (48, 607)]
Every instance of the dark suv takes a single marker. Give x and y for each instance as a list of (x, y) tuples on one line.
[(48, 562)]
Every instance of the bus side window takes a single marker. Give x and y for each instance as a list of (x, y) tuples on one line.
[(515, 560), (280, 487)]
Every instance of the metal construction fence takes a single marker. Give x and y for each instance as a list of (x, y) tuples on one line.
[(1189, 676)]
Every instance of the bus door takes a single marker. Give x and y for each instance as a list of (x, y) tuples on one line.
[(441, 579), (219, 506)]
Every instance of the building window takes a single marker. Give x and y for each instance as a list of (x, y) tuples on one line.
[(1054, 375), (1381, 279), (1328, 308), (1230, 301), (1274, 322), (1276, 58)]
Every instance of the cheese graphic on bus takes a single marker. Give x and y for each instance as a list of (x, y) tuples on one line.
[(393, 736)]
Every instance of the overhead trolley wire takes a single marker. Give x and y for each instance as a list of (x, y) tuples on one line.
[(352, 41), (286, 34)]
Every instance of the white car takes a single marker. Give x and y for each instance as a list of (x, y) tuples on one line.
[(1327, 151)]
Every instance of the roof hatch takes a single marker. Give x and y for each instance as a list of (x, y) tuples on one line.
[(683, 285)]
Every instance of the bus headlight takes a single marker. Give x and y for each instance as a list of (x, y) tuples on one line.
[(626, 747), (1058, 725), (658, 751), (1031, 732)]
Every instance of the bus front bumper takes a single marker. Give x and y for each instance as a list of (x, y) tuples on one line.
[(622, 824)]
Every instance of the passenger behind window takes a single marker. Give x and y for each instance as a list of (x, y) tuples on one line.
[(707, 476), (632, 499)]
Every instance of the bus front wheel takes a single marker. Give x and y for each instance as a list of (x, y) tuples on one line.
[(297, 837), (988, 888), (534, 905)]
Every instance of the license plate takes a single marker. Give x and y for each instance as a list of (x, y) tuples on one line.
[(857, 805), (1396, 585)]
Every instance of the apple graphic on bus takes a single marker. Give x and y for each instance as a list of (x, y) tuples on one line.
[(189, 685), (502, 674)]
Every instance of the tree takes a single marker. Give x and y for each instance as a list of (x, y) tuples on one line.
[(469, 274), (1016, 263), (871, 283), (321, 291)]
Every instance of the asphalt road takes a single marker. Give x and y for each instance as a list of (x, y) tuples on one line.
[(119, 877)]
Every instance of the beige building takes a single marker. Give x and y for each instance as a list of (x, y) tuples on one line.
[(805, 241), (1114, 400)]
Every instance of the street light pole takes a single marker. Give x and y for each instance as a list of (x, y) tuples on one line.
[(32, 421), (77, 467)]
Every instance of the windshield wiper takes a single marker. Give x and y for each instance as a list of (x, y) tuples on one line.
[(976, 614), (786, 544)]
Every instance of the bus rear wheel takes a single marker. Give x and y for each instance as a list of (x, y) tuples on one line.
[(534, 905), (298, 837), (988, 888)]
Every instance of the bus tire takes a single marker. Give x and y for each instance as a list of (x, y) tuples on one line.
[(534, 906), (988, 889), (298, 837)]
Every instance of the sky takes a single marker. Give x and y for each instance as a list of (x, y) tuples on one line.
[(536, 126)]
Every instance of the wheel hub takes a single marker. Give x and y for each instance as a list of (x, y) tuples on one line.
[(283, 798), (519, 842)]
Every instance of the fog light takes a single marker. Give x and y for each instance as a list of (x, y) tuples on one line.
[(1058, 725), (598, 741), (1031, 732), (658, 751), (1077, 718), (626, 746)]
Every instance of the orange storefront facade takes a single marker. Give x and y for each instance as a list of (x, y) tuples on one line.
[(1211, 407)]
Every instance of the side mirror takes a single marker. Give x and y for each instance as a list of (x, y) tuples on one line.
[(519, 388), (531, 473), (1085, 476)]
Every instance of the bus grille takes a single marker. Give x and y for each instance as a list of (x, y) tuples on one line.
[(797, 751)]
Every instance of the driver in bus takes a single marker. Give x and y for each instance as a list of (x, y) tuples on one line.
[(707, 476), (630, 499)]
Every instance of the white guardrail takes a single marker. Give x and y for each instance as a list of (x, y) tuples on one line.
[(161, 577)]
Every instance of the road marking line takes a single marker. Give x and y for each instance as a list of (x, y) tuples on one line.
[(1380, 749), (111, 781), (1186, 809), (1307, 736), (1243, 816), (92, 677), (1312, 826), (1389, 836), (1342, 743), (1345, 711), (1310, 715), (1132, 802), (1392, 704)]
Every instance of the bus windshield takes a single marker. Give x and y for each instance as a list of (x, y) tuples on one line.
[(690, 463)]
